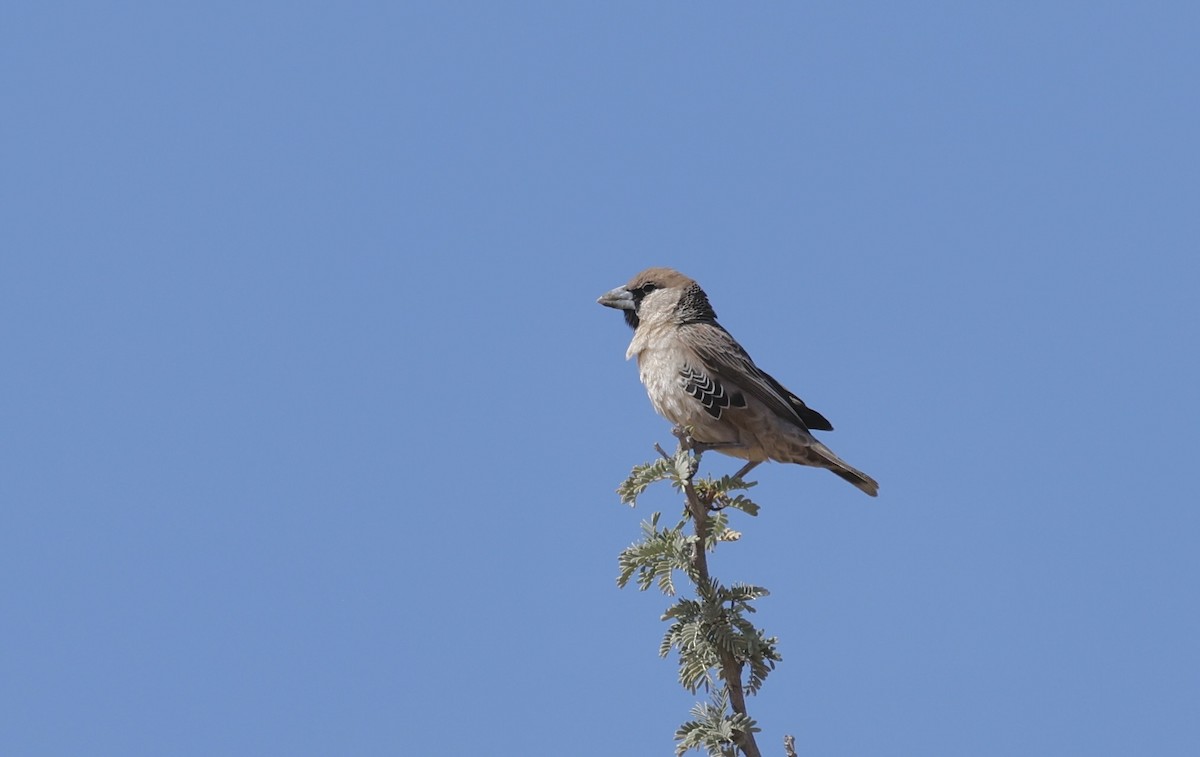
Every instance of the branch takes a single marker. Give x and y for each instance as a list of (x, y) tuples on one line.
[(719, 649), (731, 669)]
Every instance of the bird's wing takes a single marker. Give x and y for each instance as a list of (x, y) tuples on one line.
[(720, 353), (708, 391)]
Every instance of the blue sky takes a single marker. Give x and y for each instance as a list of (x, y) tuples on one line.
[(312, 424)]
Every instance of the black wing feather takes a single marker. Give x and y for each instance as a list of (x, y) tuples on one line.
[(710, 392)]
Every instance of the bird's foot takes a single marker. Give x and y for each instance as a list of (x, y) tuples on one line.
[(686, 465), (684, 435), (687, 441)]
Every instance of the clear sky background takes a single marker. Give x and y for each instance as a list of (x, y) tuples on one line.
[(310, 422)]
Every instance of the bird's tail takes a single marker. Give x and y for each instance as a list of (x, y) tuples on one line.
[(823, 457)]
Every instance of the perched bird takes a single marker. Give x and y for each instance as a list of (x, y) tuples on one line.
[(699, 377)]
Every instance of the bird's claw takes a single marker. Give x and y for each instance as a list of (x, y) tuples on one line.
[(684, 435)]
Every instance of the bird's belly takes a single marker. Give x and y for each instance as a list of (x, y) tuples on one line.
[(660, 373)]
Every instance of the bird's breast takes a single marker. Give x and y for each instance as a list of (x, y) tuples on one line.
[(661, 373)]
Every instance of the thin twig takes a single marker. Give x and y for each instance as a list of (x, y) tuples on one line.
[(789, 746), (747, 468)]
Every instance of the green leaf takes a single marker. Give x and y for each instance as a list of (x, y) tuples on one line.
[(711, 628), (713, 728), (642, 476), (655, 557), (740, 502), (743, 593)]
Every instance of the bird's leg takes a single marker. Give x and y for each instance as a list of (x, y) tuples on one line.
[(715, 446), (686, 442), (746, 469), (684, 436)]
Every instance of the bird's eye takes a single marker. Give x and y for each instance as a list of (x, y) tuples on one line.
[(648, 288)]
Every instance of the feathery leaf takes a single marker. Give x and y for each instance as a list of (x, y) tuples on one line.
[(642, 476)]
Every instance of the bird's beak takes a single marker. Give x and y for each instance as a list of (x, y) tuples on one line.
[(619, 298)]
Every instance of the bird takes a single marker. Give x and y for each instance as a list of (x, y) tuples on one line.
[(700, 378)]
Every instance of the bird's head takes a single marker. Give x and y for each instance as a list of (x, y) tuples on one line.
[(659, 295)]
